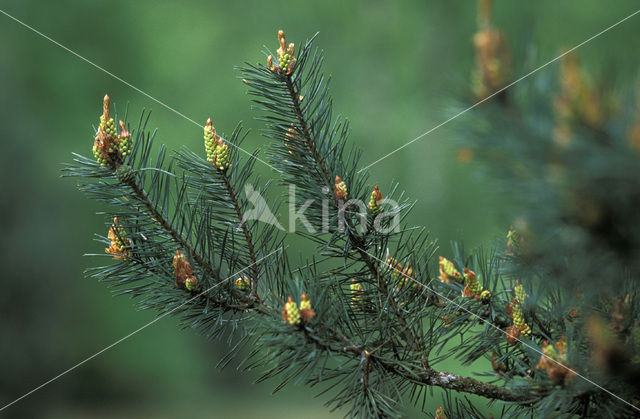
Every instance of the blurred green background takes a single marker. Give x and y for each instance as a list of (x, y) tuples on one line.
[(397, 66)]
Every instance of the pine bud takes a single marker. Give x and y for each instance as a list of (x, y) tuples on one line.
[(290, 313), (394, 267), (519, 320), (554, 361), (124, 141), (306, 312), (356, 291), (119, 244), (514, 241), (493, 60), (191, 283), (183, 270), (578, 101), (106, 144), (221, 156), (290, 138), (375, 203), (210, 140), (512, 334), (110, 148), (515, 311), (243, 283), (519, 292), (283, 43), (485, 297), (448, 271), (448, 318), (498, 367), (286, 59), (340, 190), (472, 286), (106, 109), (270, 65), (440, 413)]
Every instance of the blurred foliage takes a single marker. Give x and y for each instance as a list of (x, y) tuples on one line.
[(396, 64)]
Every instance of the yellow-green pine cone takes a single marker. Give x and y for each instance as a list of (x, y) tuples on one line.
[(221, 156), (191, 283), (519, 321), (284, 61), (108, 126), (118, 242), (448, 270), (519, 291), (549, 351), (375, 201), (394, 267), (210, 140), (356, 290), (243, 283), (472, 281), (340, 189), (122, 242), (513, 240), (305, 303), (125, 146), (373, 208), (306, 312), (125, 143), (119, 237), (102, 161), (292, 313), (518, 315), (485, 297), (108, 129)]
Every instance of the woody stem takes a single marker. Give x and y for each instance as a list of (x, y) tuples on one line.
[(157, 215)]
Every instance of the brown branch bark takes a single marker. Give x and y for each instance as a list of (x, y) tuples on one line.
[(420, 375), (177, 237)]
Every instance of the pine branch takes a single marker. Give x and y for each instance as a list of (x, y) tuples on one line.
[(379, 326), (283, 82), (417, 374), (302, 121), (179, 239), (219, 187)]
